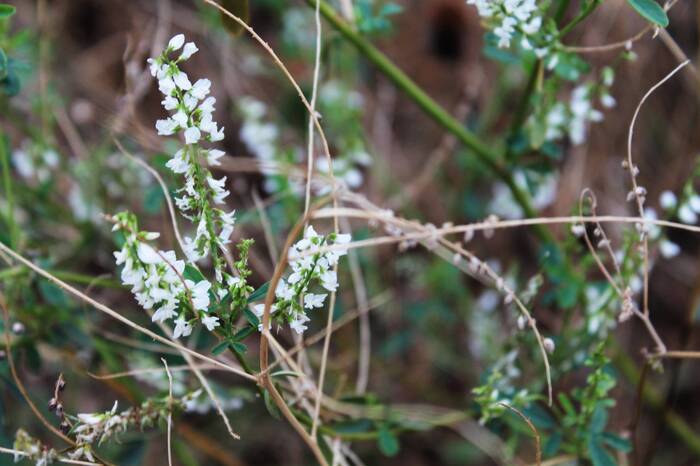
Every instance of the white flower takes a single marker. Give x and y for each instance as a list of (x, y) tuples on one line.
[(192, 135), (329, 280), (180, 118), (210, 322), (208, 105), (169, 102), (166, 85), (182, 328), (314, 300), (217, 187), (259, 310), (176, 42), (200, 294), (165, 312), (607, 101), (189, 50), (166, 127), (694, 203), (298, 323), (687, 215), (147, 254), (669, 249), (668, 200), (213, 156), (216, 135), (178, 163), (182, 81), (200, 89)]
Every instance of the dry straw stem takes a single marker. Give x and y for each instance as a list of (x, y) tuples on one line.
[(538, 449), (633, 177), (151, 370), (265, 378), (164, 187), (170, 410), (644, 317), (623, 44)]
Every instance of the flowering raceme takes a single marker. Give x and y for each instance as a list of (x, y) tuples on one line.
[(509, 17), (308, 263), (156, 279), (191, 115)]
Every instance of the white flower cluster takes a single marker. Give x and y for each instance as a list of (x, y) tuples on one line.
[(156, 279), (191, 113), (32, 449), (33, 161), (260, 137), (687, 211), (542, 186), (572, 119), (91, 428), (308, 263), (510, 17)]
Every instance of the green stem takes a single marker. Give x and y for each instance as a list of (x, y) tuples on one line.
[(590, 8), (484, 153), (7, 181)]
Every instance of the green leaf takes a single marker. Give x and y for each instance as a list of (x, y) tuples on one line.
[(153, 199), (6, 10), (352, 427), (259, 293), (551, 446), (599, 419), (191, 273), (271, 406), (10, 85), (239, 8), (387, 442), (220, 347), (239, 348), (243, 333), (651, 11), (599, 455), (251, 318), (616, 442)]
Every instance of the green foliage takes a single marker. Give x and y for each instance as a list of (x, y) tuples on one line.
[(374, 16), (6, 11), (651, 11)]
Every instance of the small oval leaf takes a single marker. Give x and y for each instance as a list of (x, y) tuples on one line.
[(651, 11), (6, 10)]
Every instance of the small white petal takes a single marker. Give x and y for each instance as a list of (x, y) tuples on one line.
[(176, 42)]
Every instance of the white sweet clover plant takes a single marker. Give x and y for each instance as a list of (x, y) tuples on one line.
[(521, 26), (162, 282), (309, 265), (191, 114)]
